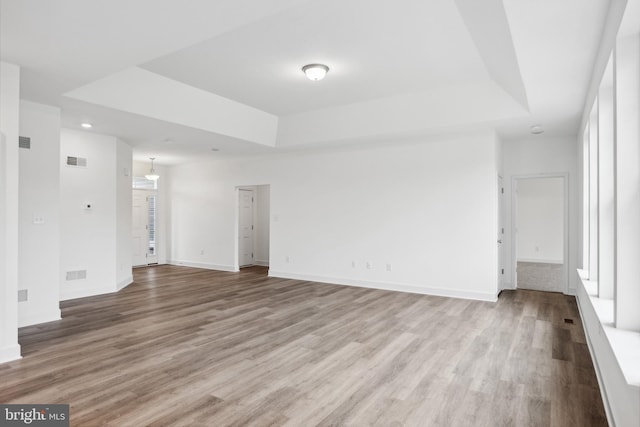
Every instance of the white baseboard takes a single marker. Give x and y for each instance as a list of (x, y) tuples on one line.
[(261, 263), (37, 318), (83, 293), (9, 353), (124, 283), (388, 286), (206, 266), (507, 286), (541, 261)]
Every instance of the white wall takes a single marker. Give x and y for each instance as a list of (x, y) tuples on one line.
[(9, 125), (263, 197), (542, 155), (540, 220), (39, 231), (94, 240), (124, 208), (428, 209)]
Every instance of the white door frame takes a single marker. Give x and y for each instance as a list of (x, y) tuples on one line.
[(514, 225), (500, 233)]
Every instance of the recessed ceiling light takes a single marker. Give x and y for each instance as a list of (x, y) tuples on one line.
[(86, 125), (536, 129), (315, 72), (215, 149)]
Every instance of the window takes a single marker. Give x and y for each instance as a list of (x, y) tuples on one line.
[(152, 225), (142, 183), (611, 186)]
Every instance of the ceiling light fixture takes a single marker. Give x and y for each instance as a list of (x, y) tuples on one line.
[(86, 125), (536, 129), (315, 72), (152, 175)]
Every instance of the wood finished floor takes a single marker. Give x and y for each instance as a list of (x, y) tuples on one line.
[(191, 347)]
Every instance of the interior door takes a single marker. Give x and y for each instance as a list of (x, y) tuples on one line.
[(245, 228), (139, 228)]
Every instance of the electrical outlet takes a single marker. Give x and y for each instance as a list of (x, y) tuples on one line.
[(201, 251), (288, 258), (353, 264), (369, 265), (389, 266), (23, 295)]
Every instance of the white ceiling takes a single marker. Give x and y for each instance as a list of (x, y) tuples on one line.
[(373, 49), (408, 67)]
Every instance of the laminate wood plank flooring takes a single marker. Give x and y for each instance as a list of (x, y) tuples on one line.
[(190, 347)]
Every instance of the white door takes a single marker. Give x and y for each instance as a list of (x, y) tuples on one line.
[(245, 228), (500, 236), (143, 228)]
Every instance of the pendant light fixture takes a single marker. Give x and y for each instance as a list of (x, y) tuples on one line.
[(152, 175)]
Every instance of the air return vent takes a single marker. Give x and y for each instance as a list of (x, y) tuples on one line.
[(80, 162), (76, 275), (24, 142)]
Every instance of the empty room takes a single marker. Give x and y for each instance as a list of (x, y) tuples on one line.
[(336, 213)]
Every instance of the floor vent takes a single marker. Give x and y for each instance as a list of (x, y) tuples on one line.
[(24, 142), (569, 321), (79, 162)]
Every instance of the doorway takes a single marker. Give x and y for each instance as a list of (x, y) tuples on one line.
[(246, 227), (253, 226), (144, 227), (540, 233)]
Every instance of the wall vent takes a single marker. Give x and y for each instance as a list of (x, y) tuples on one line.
[(24, 142), (80, 162), (76, 275), (23, 295)]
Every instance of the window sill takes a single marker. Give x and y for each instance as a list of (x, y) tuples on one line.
[(624, 344)]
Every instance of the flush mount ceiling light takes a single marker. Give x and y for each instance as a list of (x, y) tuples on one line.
[(536, 129), (86, 125), (152, 175), (315, 72)]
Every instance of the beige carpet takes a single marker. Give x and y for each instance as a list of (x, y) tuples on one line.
[(540, 276)]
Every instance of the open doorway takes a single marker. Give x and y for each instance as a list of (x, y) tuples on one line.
[(540, 233), (253, 231), (144, 224)]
